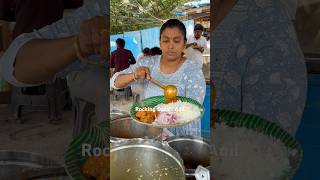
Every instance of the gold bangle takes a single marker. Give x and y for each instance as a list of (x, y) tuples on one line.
[(134, 76), (85, 60)]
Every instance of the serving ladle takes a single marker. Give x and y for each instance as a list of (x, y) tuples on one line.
[(169, 91)]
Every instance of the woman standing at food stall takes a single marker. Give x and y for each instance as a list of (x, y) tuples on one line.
[(168, 68)]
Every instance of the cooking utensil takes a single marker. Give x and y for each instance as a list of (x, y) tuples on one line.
[(145, 159), (126, 128), (201, 173), (169, 91), (115, 113), (45, 174), (14, 163), (148, 159), (193, 150), (156, 100)]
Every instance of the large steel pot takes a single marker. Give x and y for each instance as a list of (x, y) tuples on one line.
[(17, 165), (193, 150), (46, 174), (147, 159), (115, 113), (126, 128), (144, 159)]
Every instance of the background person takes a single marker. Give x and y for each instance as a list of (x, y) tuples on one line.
[(196, 45)]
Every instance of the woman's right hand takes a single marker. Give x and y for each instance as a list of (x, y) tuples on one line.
[(141, 73), (93, 35)]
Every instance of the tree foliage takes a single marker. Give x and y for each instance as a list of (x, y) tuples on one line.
[(130, 15)]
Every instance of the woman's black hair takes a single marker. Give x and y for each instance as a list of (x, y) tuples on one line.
[(172, 23)]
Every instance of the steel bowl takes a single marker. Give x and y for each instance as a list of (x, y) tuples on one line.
[(145, 159), (46, 174), (126, 128), (115, 113), (193, 150), (14, 165)]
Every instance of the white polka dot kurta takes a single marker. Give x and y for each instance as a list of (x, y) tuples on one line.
[(257, 64), (188, 79)]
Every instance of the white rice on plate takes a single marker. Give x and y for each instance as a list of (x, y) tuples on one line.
[(244, 154), (184, 111)]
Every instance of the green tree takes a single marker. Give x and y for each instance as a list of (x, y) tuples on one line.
[(130, 15)]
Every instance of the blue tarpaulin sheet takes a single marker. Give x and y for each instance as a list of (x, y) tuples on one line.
[(133, 42), (205, 121), (150, 37), (189, 26), (137, 40)]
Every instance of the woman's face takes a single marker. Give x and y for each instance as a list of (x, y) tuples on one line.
[(172, 43)]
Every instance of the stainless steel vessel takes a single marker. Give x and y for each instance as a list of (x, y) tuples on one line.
[(18, 165), (118, 114), (126, 128), (145, 159), (193, 150)]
